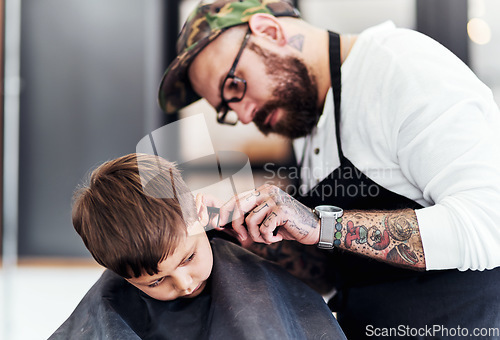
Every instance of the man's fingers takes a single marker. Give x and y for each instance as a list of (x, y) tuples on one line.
[(263, 222), (237, 209), (228, 210), (270, 224), (209, 200), (256, 217)]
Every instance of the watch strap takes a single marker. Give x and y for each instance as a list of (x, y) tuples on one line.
[(326, 231)]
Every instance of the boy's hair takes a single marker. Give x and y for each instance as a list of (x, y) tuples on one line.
[(133, 213)]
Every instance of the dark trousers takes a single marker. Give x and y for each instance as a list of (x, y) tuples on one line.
[(436, 305)]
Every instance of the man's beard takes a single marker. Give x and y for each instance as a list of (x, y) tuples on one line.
[(296, 93)]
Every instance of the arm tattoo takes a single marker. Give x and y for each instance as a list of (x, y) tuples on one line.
[(389, 236), (399, 227)]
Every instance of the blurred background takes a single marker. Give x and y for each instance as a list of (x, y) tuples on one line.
[(79, 85)]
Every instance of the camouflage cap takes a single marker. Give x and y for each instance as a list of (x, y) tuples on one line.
[(208, 20)]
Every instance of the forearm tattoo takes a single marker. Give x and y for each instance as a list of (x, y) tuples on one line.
[(390, 236)]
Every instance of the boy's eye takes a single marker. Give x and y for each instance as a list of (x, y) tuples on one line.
[(189, 259), (156, 283)]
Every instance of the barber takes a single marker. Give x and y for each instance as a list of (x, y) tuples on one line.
[(397, 144)]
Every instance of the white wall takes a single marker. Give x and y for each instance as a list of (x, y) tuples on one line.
[(485, 58)]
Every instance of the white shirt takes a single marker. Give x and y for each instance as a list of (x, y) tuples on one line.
[(418, 122)]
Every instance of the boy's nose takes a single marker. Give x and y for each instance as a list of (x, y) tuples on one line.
[(182, 281)]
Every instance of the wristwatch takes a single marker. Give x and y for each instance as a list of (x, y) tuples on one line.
[(328, 215)]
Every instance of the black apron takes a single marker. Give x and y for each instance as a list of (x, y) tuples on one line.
[(372, 295)]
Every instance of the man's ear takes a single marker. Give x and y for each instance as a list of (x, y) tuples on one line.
[(267, 26)]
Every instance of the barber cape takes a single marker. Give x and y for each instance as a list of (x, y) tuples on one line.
[(247, 298)]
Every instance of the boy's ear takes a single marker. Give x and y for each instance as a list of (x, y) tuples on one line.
[(267, 26)]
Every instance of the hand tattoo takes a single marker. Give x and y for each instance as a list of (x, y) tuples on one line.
[(258, 210), (268, 218), (302, 214)]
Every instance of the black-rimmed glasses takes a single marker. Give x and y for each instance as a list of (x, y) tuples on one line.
[(232, 90)]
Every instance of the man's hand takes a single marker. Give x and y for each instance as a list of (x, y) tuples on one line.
[(268, 215), (204, 201)]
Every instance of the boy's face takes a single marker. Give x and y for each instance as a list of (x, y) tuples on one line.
[(182, 274)]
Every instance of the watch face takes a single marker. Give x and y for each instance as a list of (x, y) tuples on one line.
[(328, 208)]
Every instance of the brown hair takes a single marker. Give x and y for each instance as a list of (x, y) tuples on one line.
[(133, 213)]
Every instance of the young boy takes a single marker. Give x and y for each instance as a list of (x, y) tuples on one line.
[(166, 279)]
